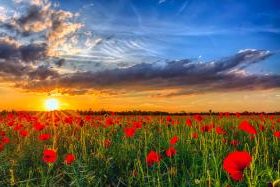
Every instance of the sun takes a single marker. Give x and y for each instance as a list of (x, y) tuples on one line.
[(51, 104)]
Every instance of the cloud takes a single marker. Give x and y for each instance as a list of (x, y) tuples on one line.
[(32, 39), (60, 62), (62, 36), (187, 76), (30, 57), (3, 14), (42, 73), (22, 73), (161, 1), (41, 22), (183, 7), (37, 18), (11, 69), (10, 49), (32, 2)]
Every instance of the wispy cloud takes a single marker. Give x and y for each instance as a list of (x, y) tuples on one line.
[(183, 7), (161, 1)]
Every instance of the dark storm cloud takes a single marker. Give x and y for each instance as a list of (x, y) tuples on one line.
[(187, 76)]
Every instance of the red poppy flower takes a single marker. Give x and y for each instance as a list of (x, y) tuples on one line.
[(18, 127), (234, 142), (235, 163), (2, 133), (81, 123), (170, 152), (23, 133), (252, 137), (207, 128), (174, 140), (189, 122), (261, 127), (129, 132), (220, 130), (107, 143), (88, 118), (44, 137), (237, 115), (109, 121), (198, 118), (227, 114), (38, 126), (2, 146), (152, 157), (69, 159), (68, 120), (277, 134), (49, 156), (247, 127), (11, 123), (137, 125), (168, 118), (194, 135), (5, 140)]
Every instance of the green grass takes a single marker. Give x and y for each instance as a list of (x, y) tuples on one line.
[(198, 162)]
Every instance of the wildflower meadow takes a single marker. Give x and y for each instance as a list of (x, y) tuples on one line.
[(62, 149)]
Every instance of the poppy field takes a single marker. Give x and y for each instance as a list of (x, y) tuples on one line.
[(62, 149)]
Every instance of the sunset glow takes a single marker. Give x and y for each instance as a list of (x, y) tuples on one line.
[(51, 104)]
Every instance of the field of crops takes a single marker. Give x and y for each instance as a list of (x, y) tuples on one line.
[(62, 149)]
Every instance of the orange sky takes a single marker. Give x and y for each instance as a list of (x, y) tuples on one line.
[(268, 101)]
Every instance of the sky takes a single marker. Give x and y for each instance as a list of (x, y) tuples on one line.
[(167, 55)]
